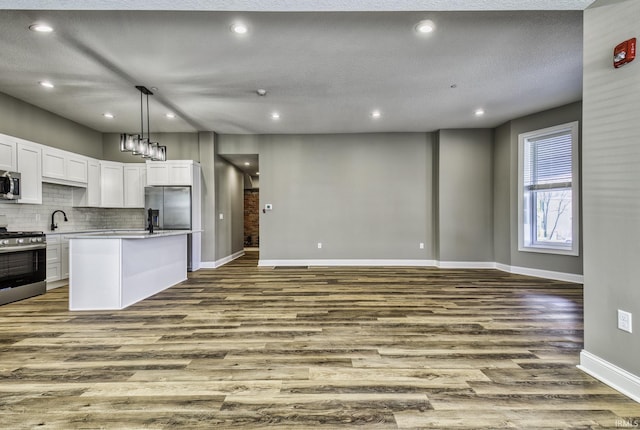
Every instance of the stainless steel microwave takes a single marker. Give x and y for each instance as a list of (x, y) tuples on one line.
[(9, 185)]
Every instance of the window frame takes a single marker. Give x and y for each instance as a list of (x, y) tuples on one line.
[(523, 204)]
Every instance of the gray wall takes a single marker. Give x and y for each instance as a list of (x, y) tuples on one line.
[(506, 180), (239, 144), (29, 122), (465, 190), (180, 146), (611, 156), (206, 143), (363, 196), (502, 202), (229, 185)]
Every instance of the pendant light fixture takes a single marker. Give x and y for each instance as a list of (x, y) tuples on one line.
[(138, 143)]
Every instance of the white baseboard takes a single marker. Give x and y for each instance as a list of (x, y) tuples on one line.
[(57, 284), (466, 264), (347, 262), (612, 375), (547, 274), (222, 261)]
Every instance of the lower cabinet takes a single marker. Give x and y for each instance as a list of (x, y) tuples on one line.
[(57, 258)]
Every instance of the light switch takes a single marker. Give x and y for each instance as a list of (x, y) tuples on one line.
[(221, 216)]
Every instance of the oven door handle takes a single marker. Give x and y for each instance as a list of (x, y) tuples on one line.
[(22, 248)]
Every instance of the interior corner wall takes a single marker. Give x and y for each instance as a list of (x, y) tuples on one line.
[(502, 202), (206, 147), (611, 156), (363, 196), (229, 203), (29, 122), (465, 193), (180, 146), (533, 260)]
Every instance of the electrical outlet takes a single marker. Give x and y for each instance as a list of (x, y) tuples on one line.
[(421, 245), (319, 245), (624, 321)]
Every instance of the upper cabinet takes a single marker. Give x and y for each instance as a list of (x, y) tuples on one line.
[(29, 165), (135, 175), (173, 172), (89, 196), (111, 184), (8, 158), (63, 167)]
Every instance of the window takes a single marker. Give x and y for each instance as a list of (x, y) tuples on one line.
[(548, 190)]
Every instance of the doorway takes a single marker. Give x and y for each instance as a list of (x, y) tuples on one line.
[(252, 219)]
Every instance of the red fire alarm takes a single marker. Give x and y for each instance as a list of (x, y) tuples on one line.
[(624, 53)]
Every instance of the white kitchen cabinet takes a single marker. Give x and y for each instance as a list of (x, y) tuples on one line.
[(29, 164), (63, 167), (89, 196), (93, 183), (53, 258), (173, 172), (8, 156), (57, 259), (111, 184), (64, 257), (135, 175)]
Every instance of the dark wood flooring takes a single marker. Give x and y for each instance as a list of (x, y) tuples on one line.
[(246, 347)]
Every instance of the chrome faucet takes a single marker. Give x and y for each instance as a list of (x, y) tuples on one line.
[(53, 224)]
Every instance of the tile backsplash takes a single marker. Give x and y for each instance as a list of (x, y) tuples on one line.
[(38, 217)]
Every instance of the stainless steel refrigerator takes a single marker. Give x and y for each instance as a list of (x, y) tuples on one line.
[(171, 208)]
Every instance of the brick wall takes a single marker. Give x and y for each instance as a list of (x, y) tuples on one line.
[(252, 217)]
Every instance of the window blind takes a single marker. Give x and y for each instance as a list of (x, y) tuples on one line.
[(547, 161)]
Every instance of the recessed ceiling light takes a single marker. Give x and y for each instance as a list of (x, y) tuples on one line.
[(479, 112), (46, 84), (170, 115), (275, 115), (246, 163), (41, 28), (108, 115), (376, 114), (425, 26), (258, 173), (261, 92), (239, 28)]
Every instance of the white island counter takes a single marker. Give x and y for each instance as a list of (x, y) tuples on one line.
[(111, 270)]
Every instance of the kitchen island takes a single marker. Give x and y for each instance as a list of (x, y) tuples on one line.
[(111, 270)]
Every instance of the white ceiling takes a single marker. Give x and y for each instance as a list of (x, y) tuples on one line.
[(324, 71)]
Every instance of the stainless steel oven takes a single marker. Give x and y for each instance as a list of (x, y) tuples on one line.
[(23, 265)]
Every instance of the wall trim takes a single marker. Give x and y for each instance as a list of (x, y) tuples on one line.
[(612, 375), (346, 262), (222, 261), (547, 274), (466, 264)]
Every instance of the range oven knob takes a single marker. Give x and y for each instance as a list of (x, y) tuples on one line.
[(33, 240), (4, 242), (20, 240)]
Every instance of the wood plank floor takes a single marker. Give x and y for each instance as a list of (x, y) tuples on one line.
[(246, 347)]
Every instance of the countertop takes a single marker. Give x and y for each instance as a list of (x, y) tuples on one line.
[(139, 234)]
